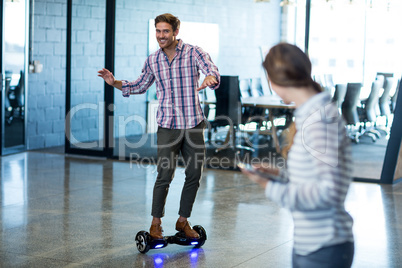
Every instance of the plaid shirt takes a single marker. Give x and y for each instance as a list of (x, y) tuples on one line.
[(176, 84)]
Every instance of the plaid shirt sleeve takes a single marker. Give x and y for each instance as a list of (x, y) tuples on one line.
[(141, 85), (206, 65)]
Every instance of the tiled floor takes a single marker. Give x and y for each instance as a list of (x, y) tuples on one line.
[(59, 211)]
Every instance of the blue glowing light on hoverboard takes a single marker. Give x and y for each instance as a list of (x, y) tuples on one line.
[(194, 243), (159, 246)]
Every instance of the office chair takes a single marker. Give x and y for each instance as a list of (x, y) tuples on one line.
[(381, 78), (228, 112), (253, 114), (15, 100), (251, 88), (245, 92), (367, 112), (320, 79), (385, 99), (245, 86), (395, 96), (329, 84), (339, 95), (256, 87), (7, 104), (256, 115), (349, 110)]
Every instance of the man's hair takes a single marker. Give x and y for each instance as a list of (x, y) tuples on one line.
[(168, 18)]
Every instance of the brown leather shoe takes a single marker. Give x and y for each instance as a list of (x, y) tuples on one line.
[(156, 231), (187, 229)]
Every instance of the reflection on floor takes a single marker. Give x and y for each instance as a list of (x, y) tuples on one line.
[(61, 211), (368, 157)]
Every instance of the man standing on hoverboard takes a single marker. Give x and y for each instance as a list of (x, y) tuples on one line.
[(175, 70)]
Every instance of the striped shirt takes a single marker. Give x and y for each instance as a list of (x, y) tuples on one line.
[(319, 170), (176, 84)]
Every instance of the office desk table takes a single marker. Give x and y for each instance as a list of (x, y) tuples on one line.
[(266, 102), (270, 103)]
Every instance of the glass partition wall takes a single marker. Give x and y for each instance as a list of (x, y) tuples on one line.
[(13, 75), (348, 41), (86, 114), (132, 136), (354, 41)]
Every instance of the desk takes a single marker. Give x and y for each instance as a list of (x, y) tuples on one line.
[(266, 102), (270, 103)]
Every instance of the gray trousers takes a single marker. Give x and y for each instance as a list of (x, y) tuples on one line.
[(337, 256), (190, 143)]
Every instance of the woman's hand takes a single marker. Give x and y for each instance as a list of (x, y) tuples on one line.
[(262, 181)]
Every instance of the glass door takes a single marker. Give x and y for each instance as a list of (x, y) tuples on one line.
[(85, 118), (355, 41), (14, 25)]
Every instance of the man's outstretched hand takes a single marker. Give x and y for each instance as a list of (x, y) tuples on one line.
[(209, 81), (107, 76)]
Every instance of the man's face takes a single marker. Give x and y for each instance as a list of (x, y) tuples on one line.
[(165, 36)]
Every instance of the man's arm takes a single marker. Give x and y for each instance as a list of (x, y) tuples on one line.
[(110, 79), (208, 68), (139, 86)]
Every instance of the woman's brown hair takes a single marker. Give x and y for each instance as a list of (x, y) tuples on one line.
[(288, 66)]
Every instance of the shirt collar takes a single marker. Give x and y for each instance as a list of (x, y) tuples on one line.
[(179, 46)]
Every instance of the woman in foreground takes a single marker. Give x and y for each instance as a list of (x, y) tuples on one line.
[(318, 174)]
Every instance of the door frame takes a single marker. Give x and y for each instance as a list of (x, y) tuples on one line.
[(107, 150), (22, 147)]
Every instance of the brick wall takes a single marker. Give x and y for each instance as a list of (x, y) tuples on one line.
[(87, 57), (244, 26), (46, 90)]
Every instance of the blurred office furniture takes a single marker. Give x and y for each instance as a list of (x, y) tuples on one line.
[(367, 111), (276, 110), (245, 92), (320, 79), (381, 79), (385, 74), (256, 87), (329, 84), (227, 113), (339, 95), (254, 118), (259, 113), (235, 106), (279, 112), (15, 99), (385, 99), (349, 110), (326, 82), (7, 105), (245, 86), (251, 88), (395, 96)]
